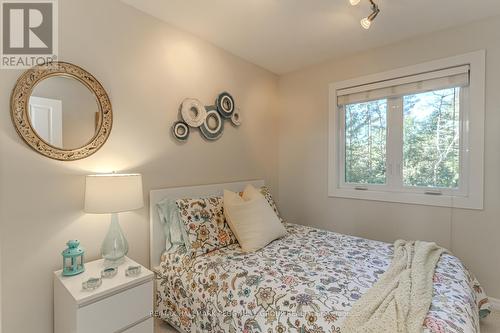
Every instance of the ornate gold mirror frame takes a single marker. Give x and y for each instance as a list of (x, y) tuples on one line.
[(20, 110)]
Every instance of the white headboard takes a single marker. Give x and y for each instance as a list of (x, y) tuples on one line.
[(157, 237)]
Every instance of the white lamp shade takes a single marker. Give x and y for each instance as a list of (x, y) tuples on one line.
[(105, 194)]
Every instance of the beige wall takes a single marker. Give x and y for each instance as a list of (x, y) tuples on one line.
[(147, 68), (471, 235)]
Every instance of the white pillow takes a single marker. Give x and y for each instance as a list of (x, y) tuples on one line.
[(251, 193), (252, 220)]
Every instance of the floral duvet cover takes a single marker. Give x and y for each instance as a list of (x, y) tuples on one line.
[(305, 282)]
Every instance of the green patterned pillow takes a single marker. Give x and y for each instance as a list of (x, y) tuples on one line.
[(205, 224)]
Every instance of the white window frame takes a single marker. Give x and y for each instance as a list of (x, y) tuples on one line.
[(472, 110)]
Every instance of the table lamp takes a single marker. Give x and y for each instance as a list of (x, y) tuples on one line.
[(112, 194)]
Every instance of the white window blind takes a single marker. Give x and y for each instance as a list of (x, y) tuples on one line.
[(441, 79)]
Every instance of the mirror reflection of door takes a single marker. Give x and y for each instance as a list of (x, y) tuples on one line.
[(46, 119), (76, 117)]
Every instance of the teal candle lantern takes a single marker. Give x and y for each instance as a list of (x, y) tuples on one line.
[(73, 259)]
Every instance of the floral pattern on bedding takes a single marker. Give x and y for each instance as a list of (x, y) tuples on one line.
[(264, 190), (205, 224), (305, 282)]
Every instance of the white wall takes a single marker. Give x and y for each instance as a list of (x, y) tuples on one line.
[(471, 235), (147, 67)]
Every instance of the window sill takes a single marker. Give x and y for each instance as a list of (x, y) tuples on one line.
[(409, 198)]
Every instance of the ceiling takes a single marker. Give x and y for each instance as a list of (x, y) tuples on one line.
[(286, 35)]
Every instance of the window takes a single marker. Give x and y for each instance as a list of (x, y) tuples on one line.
[(365, 142), (413, 135), (431, 139)]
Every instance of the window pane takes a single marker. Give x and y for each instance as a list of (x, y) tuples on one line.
[(365, 142), (431, 146)]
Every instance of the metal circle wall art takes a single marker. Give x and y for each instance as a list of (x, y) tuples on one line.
[(193, 112), (236, 118), (180, 130), (213, 126), (225, 105), (208, 119)]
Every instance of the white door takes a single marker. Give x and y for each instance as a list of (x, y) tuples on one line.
[(46, 119)]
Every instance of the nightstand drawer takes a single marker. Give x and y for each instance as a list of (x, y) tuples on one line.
[(118, 311), (144, 327)]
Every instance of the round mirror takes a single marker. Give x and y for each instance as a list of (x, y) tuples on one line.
[(63, 112)]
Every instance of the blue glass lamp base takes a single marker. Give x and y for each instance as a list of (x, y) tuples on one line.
[(113, 263), (114, 247)]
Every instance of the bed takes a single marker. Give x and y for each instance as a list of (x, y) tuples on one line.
[(304, 282)]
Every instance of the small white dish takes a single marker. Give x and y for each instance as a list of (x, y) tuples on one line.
[(91, 284), (132, 271), (109, 272)]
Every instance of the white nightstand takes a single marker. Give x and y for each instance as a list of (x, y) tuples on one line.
[(120, 304)]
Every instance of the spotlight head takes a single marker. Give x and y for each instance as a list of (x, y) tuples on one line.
[(354, 2), (366, 23)]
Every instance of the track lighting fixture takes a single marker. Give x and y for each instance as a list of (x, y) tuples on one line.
[(367, 21)]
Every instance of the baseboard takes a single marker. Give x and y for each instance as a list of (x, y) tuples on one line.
[(495, 304)]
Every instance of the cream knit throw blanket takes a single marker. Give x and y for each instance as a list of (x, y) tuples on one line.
[(400, 300)]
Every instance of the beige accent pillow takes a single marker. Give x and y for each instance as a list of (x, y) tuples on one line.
[(252, 220), (251, 193)]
